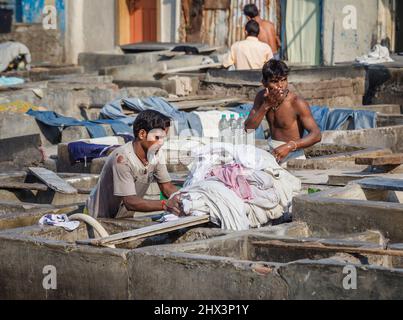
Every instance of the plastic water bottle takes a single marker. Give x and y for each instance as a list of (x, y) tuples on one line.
[(249, 134), (223, 128), (240, 130), (233, 127)]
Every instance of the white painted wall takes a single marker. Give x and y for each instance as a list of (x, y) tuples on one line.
[(74, 41), (169, 20), (341, 44), (90, 26)]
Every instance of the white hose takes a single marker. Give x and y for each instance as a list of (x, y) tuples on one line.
[(93, 223)]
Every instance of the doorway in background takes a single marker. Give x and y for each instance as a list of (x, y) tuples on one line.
[(143, 20)]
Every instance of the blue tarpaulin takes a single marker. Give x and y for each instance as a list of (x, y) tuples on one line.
[(329, 120), (94, 128), (184, 121)]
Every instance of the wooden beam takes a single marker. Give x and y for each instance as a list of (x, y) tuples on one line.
[(34, 186), (391, 159), (206, 103), (52, 180), (381, 184), (149, 231), (190, 68), (344, 179), (190, 98), (326, 248), (23, 186)]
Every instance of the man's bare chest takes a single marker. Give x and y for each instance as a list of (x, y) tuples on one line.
[(284, 118)]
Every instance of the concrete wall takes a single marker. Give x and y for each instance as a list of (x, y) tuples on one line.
[(327, 86), (341, 45), (388, 137), (91, 26), (44, 45), (99, 25)]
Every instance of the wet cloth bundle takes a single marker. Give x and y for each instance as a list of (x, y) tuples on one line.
[(247, 189)]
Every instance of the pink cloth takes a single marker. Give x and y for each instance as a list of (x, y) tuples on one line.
[(233, 176)]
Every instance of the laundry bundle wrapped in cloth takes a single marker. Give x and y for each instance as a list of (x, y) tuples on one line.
[(239, 186)]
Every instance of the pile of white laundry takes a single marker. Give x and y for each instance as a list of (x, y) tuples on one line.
[(379, 54), (269, 193), (11, 50)]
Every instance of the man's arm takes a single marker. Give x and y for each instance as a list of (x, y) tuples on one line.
[(257, 113), (308, 122), (167, 189), (173, 205), (135, 203)]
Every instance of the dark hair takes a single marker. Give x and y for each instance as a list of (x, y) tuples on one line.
[(251, 11), (274, 69), (252, 28), (149, 120)]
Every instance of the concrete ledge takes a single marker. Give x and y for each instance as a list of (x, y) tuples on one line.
[(146, 71), (297, 74), (20, 152), (330, 86), (349, 210), (340, 160), (387, 137)]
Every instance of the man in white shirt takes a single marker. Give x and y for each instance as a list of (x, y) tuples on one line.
[(250, 53)]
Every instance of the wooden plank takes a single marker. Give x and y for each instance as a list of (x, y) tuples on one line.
[(217, 4), (392, 159), (149, 231), (191, 68), (344, 179), (206, 103), (52, 180), (382, 184), (323, 247), (23, 186), (191, 98)]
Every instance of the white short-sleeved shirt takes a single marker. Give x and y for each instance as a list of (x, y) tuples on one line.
[(248, 54), (124, 175)]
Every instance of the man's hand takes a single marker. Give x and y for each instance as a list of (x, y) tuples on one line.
[(174, 205), (274, 97), (282, 152)]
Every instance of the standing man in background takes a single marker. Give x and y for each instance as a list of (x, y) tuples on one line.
[(267, 30), (249, 54)]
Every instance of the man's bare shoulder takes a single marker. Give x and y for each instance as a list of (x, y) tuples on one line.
[(268, 24), (298, 103)]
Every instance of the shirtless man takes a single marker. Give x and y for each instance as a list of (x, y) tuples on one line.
[(267, 30), (287, 114)]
